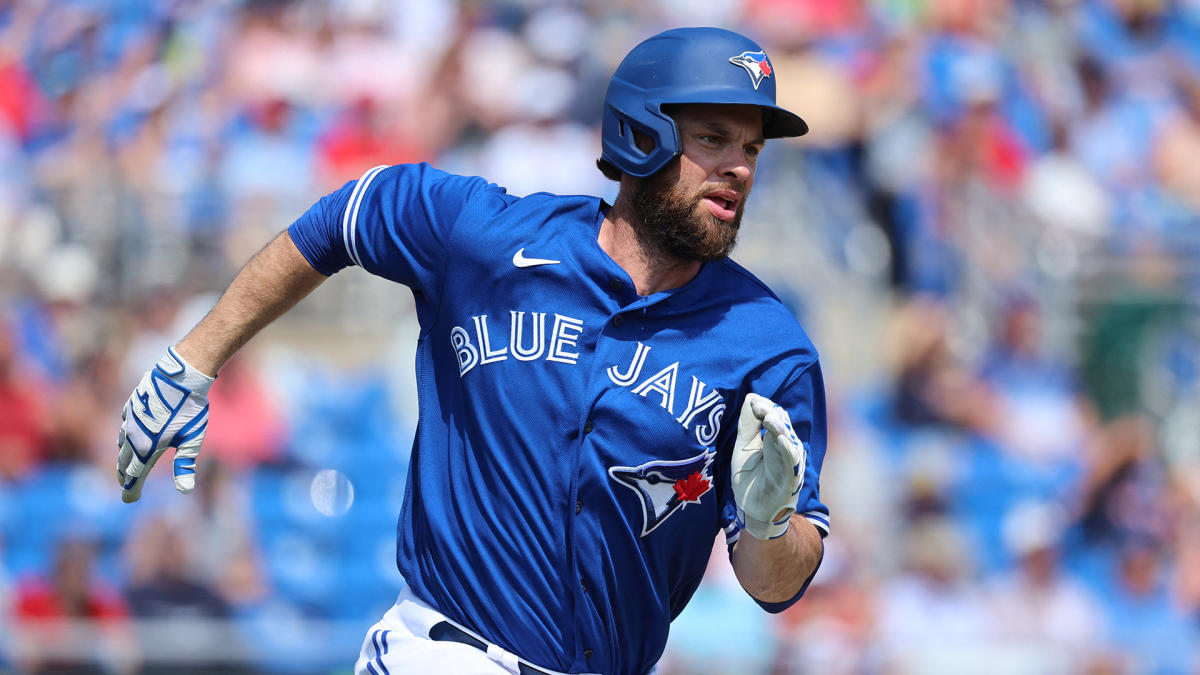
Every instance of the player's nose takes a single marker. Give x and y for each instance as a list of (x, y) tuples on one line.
[(737, 164)]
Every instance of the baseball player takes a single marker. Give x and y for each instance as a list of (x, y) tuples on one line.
[(602, 390)]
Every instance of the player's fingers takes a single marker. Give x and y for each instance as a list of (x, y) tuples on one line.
[(138, 480), (749, 434), (784, 457), (132, 475), (185, 465), (124, 453), (759, 405), (777, 421), (750, 408), (125, 443), (187, 443)]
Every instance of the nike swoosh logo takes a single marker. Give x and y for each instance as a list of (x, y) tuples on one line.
[(520, 260)]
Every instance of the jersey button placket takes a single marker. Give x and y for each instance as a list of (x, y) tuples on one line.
[(578, 506), (588, 426)]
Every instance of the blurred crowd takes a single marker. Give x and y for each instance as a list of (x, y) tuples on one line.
[(991, 233)]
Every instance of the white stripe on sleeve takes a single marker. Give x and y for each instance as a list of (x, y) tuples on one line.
[(350, 215), (820, 520)]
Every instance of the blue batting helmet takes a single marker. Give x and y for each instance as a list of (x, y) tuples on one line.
[(680, 66)]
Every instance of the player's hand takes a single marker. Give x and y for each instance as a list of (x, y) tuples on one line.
[(767, 468), (169, 409)]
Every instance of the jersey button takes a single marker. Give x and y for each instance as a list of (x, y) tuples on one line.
[(618, 320), (583, 585), (588, 426), (616, 284), (578, 506), (587, 653)]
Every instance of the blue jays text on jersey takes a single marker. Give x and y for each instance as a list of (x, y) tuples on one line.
[(571, 463)]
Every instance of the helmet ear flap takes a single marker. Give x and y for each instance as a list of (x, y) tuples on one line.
[(621, 133)]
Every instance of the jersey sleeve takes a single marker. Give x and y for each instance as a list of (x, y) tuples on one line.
[(804, 399), (394, 222)]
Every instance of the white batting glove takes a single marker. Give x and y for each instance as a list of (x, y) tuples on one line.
[(767, 468), (169, 409)]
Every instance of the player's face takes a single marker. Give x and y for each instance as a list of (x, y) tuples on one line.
[(692, 209)]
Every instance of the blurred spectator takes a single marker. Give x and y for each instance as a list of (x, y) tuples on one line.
[(229, 556), (6, 613), (1147, 625), (1040, 413), (1123, 326), (23, 109), (154, 314), (1039, 611), (246, 427), (1122, 491), (980, 144), (69, 621), (898, 153), (932, 615), (163, 583), (831, 631), (80, 404), (24, 423), (1063, 194), (741, 642), (1178, 144), (1113, 137), (184, 621), (365, 135), (267, 160), (932, 385), (1185, 583)]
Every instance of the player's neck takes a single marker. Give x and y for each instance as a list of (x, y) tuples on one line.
[(650, 269)]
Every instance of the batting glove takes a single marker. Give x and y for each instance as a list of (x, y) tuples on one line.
[(767, 468), (169, 409)]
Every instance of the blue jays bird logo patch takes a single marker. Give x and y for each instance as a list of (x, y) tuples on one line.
[(755, 63), (665, 487)]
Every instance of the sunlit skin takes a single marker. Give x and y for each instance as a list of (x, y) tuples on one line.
[(721, 144), (662, 228)]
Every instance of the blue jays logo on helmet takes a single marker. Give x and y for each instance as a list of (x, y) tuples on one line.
[(755, 63), (666, 487)]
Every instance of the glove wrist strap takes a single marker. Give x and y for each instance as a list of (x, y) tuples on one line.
[(765, 529), (179, 370)]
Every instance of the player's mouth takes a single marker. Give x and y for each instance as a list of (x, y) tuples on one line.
[(723, 204)]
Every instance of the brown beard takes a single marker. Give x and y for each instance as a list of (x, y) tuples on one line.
[(671, 225)]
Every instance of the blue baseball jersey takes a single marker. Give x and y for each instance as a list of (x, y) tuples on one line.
[(571, 463)]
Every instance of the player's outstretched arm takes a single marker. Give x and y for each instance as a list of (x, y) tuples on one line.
[(271, 283), (169, 407), (778, 550)]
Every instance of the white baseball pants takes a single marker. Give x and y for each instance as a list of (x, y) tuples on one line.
[(399, 644)]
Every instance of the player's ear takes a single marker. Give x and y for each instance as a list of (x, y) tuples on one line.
[(610, 172)]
